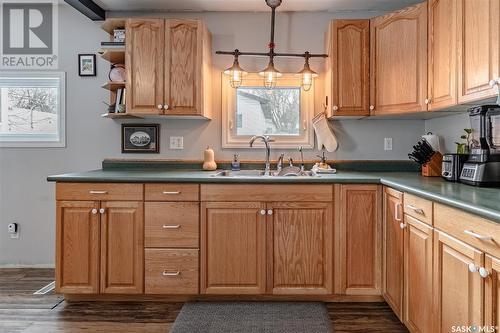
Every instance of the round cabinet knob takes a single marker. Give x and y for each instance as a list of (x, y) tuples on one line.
[(483, 272), (493, 83), (335, 108), (101, 210), (270, 212), (94, 211), (427, 101), (165, 107), (262, 212), (372, 107), (160, 106), (472, 268), (402, 225)]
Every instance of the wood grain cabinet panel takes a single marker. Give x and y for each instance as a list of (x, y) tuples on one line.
[(348, 67), (122, 247), (299, 248), (393, 238), (442, 41), (418, 275), (360, 240), (398, 43), (233, 248), (144, 56), (478, 48), (458, 292), (77, 247), (491, 294)]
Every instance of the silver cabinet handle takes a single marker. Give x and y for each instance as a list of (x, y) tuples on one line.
[(396, 212), (94, 211), (171, 192), (159, 106), (270, 212), (167, 273), (102, 210), (416, 209), (177, 226), (166, 106), (483, 272), (478, 236), (97, 192), (402, 225), (262, 212)]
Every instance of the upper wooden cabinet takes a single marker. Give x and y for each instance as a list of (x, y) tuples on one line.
[(478, 48), (348, 68), (442, 54), (168, 64), (398, 46)]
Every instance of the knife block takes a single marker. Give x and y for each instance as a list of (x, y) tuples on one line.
[(434, 167)]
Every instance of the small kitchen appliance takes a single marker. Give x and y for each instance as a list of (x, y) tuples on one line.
[(452, 166), (483, 165)]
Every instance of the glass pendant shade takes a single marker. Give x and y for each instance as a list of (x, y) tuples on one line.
[(270, 75), (236, 74), (307, 75)]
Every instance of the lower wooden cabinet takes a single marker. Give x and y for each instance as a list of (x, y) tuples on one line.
[(458, 288), (233, 248), (300, 248), (492, 292)]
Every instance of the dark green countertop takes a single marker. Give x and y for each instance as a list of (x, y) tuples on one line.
[(481, 201)]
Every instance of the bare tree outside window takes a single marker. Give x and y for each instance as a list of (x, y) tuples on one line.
[(268, 111)]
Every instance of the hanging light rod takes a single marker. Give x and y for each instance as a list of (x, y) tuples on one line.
[(270, 73)]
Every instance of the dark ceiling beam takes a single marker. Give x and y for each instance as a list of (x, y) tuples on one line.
[(88, 8)]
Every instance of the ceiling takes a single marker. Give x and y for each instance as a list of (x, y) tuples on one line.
[(253, 5)]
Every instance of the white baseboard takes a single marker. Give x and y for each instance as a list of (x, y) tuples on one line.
[(27, 266)]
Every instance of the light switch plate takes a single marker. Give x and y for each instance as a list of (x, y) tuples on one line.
[(387, 143), (176, 142)]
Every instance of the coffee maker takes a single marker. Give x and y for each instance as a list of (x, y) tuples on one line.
[(483, 165)]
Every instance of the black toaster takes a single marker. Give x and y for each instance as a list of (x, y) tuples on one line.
[(452, 166)]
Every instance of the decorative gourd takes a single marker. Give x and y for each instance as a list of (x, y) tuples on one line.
[(209, 160)]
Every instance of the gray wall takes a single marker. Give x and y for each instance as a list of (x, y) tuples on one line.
[(26, 197), (449, 129)]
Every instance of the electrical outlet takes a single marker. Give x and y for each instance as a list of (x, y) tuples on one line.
[(387, 143), (176, 142), (14, 230)]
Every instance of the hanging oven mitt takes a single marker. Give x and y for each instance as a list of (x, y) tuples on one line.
[(324, 133)]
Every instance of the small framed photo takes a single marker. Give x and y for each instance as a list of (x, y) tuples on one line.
[(141, 138), (86, 65)]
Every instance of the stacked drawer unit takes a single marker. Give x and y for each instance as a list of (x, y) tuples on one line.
[(172, 238)]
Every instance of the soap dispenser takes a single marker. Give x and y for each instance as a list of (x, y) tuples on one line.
[(235, 163)]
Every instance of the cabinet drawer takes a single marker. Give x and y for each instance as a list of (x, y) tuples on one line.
[(267, 193), (471, 229), (171, 271), (172, 192), (172, 224), (418, 208), (99, 191)]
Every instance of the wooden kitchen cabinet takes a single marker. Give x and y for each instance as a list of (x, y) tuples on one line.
[(122, 247), (478, 48), (491, 293), (233, 248), (393, 244), (359, 240), (458, 292), (144, 53), (77, 247), (300, 250), (398, 43), (418, 255), (348, 68), (442, 41)]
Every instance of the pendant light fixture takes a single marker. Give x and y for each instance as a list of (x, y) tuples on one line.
[(270, 74)]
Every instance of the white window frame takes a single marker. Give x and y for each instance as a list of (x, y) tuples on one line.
[(41, 140), (229, 99)]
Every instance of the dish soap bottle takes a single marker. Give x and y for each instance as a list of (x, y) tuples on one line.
[(209, 160), (235, 163)]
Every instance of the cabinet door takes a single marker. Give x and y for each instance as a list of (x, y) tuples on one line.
[(183, 61), (399, 61), (418, 275), (478, 48), (458, 292), (348, 78), (144, 65), (233, 248), (77, 247), (491, 294), (392, 288), (300, 251), (359, 238), (442, 53), (122, 247)]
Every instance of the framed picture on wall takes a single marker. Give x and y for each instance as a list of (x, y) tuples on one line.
[(141, 138), (87, 65)]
